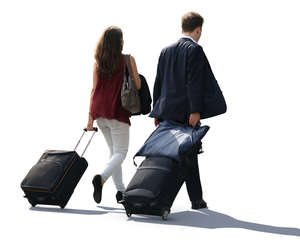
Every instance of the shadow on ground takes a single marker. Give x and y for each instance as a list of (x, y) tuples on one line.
[(212, 220), (79, 211), (203, 218), (68, 210)]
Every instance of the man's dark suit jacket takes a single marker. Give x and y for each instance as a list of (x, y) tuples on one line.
[(183, 78)]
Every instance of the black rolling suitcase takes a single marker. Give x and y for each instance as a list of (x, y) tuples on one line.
[(154, 187), (52, 180)]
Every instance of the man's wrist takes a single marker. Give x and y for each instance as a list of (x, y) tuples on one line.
[(195, 113)]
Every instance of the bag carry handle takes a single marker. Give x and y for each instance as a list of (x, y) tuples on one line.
[(84, 131), (130, 72), (128, 64)]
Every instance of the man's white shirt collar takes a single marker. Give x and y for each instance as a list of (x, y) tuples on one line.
[(184, 36)]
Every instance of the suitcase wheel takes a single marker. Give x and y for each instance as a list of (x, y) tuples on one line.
[(165, 214), (33, 204), (62, 206), (128, 213)]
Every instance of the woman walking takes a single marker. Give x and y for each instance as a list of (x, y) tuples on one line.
[(106, 108)]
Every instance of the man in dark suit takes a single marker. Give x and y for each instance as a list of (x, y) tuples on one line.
[(178, 92)]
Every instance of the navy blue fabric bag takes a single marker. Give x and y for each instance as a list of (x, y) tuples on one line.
[(173, 140)]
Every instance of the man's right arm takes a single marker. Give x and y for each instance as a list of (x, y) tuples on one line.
[(195, 83)]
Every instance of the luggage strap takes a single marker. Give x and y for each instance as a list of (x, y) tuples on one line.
[(84, 131)]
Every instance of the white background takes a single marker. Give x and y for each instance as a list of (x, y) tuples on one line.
[(250, 168)]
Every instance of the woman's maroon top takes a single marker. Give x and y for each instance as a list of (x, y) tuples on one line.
[(106, 100)]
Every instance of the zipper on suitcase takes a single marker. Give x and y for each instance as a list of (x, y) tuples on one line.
[(155, 167)]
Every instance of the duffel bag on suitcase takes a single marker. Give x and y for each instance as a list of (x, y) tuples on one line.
[(153, 188), (52, 180)]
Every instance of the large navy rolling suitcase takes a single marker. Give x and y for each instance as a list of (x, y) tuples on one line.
[(52, 180), (154, 187)]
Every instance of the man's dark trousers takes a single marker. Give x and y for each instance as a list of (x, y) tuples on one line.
[(190, 175), (192, 178)]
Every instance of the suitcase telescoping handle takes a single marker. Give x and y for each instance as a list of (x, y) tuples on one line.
[(84, 131)]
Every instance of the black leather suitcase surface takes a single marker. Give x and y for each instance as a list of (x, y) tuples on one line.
[(52, 180), (154, 187)]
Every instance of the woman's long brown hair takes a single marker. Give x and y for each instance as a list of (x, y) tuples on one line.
[(108, 53)]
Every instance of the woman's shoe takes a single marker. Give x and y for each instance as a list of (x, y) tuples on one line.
[(97, 183), (119, 196)]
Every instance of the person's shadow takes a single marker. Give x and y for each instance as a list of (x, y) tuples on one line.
[(210, 219)]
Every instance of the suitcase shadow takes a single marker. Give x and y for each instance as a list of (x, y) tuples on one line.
[(68, 210), (209, 219), (79, 211), (120, 210)]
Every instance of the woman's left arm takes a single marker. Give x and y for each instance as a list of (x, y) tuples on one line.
[(136, 77), (95, 81)]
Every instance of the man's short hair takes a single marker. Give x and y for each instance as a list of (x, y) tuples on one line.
[(190, 21)]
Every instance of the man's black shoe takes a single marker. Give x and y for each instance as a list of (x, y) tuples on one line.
[(119, 196), (97, 183), (199, 204)]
